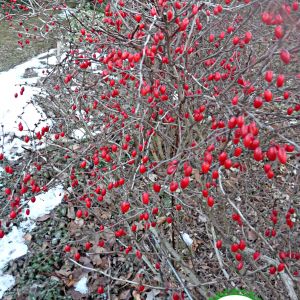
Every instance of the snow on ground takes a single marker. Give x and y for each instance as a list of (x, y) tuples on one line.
[(11, 107), (81, 286), (13, 244)]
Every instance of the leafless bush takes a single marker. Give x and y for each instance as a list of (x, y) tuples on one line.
[(189, 121)]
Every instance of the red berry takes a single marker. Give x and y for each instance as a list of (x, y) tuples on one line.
[(272, 270), (278, 32), (238, 257), (145, 198), (138, 18), (228, 163), (268, 95), (256, 255), (205, 193), (289, 111), (295, 5), (281, 155), (285, 56), (143, 169), (248, 37), (173, 186), (280, 80), (67, 248), (258, 154), (286, 95), (169, 220), (280, 267), (79, 213), (77, 256), (125, 206), (13, 214), (242, 245), (156, 187), (240, 266), (238, 151), (215, 174), (270, 174), (88, 246), (269, 76), (155, 210), (258, 102), (234, 247), (184, 182), (178, 207), (219, 244), (210, 201)]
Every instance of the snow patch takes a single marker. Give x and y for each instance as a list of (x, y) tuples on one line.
[(13, 244), (45, 202), (11, 108), (187, 239), (81, 286), (6, 282)]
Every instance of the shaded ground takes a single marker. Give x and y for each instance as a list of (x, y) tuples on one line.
[(11, 54)]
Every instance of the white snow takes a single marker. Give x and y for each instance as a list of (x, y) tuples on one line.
[(81, 285), (13, 245), (78, 134), (45, 202), (15, 110), (6, 282), (187, 239), (11, 107)]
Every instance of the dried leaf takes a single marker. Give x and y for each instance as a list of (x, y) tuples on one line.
[(196, 173), (70, 282), (96, 259), (71, 212), (63, 272), (196, 244), (43, 218), (27, 237), (152, 294), (161, 220), (252, 236), (125, 295), (136, 295)]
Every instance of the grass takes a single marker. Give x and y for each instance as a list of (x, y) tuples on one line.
[(11, 54)]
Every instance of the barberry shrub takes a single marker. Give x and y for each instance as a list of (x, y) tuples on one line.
[(175, 132)]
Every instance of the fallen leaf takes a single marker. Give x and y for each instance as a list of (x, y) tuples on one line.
[(252, 236), (125, 295), (43, 218), (96, 259), (152, 294), (136, 295), (196, 173), (71, 212), (27, 237), (161, 220)]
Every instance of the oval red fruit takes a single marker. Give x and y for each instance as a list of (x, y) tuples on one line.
[(184, 182), (145, 198), (173, 186), (281, 155), (125, 206), (285, 56)]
